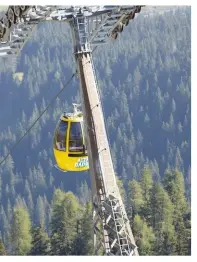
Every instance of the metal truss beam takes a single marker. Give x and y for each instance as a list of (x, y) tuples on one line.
[(102, 22)]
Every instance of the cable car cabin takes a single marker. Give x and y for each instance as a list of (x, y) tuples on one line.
[(69, 143)]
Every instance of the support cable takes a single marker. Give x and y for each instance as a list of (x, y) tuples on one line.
[(39, 117)]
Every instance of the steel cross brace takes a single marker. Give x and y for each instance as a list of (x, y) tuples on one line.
[(108, 220)]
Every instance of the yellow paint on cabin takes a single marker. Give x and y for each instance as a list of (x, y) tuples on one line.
[(63, 160)]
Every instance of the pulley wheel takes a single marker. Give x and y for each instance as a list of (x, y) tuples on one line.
[(2, 30), (120, 27), (6, 22), (138, 9), (22, 7), (114, 36), (11, 15), (17, 10), (132, 15), (126, 22)]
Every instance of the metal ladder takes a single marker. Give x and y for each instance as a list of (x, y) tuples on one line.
[(119, 222), (82, 25)]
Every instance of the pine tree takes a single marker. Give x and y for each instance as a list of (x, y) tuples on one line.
[(20, 234), (84, 193), (40, 212), (139, 138), (135, 197), (83, 242), (144, 236), (162, 221), (146, 185), (40, 242), (2, 249), (174, 184), (64, 221)]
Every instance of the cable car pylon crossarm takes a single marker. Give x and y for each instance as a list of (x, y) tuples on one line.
[(108, 208)]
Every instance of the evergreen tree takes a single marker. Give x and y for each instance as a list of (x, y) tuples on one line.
[(83, 242), (84, 193), (64, 221), (174, 184), (20, 234), (135, 197), (2, 249), (162, 221), (144, 236), (146, 185), (40, 212), (40, 242)]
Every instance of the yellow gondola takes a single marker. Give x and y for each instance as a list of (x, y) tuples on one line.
[(69, 143)]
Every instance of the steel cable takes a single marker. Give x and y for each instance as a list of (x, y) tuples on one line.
[(39, 117)]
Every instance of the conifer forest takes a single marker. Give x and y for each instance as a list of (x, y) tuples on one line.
[(145, 82)]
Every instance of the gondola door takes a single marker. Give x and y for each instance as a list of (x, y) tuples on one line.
[(75, 141)]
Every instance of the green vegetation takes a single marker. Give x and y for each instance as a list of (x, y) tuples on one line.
[(20, 236), (2, 249), (160, 226), (145, 79)]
